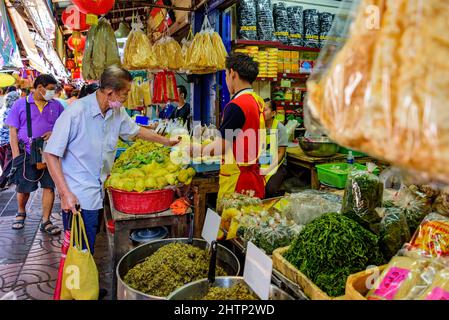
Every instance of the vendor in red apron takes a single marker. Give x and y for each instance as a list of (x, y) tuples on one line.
[(242, 120), (275, 172)]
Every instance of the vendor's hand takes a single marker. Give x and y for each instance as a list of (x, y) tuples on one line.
[(69, 203), (174, 141), (46, 135)]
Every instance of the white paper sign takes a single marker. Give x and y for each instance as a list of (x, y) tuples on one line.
[(211, 226), (258, 269)]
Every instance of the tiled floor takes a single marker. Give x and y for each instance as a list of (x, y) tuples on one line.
[(29, 259)]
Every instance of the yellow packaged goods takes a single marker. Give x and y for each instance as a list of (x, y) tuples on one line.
[(431, 239), (138, 51), (207, 54), (168, 54), (397, 110), (398, 279), (439, 289), (146, 91)]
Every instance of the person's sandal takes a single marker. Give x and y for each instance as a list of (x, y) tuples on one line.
[(20, 223), (52, 230)]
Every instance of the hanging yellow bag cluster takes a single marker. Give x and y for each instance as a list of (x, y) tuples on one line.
[(168, 54), (207, 53), (138, 53), (139, 95)]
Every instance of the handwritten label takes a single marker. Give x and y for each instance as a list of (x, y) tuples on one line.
[(391, 283), (258, 269), (438, 294), (211, 226)]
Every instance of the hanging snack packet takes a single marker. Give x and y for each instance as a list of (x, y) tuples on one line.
[(281, 22), (138, 52), (398, 279), (431, 240), (265, 23)]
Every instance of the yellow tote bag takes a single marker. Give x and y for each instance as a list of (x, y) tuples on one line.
[(80, 274)]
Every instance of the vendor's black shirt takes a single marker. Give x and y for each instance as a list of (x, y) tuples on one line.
[(182, 113), (233, 117)]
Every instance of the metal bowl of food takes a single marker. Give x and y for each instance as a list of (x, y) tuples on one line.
[(225, 259), (318, 148), (197, 290)]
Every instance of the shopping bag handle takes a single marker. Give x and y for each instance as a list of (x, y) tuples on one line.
[(78, 232)]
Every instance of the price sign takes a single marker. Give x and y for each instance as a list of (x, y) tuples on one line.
[(211, 226), (258, 269)]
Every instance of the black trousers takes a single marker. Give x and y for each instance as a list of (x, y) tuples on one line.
[(272, 188)]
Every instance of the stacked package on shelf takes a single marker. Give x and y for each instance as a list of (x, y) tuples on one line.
[(268, 63), (272, 62), (326, 20), (263, 64), (311, 28), (253, 51)]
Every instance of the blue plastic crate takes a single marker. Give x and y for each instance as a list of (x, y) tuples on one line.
[(206, 167)]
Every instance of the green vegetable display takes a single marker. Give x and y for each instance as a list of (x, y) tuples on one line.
[(363, 194), (169, 268), (394, 231), (237, 292), (332, 247)]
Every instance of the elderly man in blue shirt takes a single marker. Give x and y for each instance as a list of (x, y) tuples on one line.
[(81, 150)]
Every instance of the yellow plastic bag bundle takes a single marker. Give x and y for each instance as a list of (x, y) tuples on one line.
[(207, 53), (186, 44), (80, 274), (145, 90), (168, 54)]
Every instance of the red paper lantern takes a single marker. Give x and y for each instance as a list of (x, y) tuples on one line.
[(74, 19), (79, 60), (97, 7), (70, 64), (76, 74), (76, 43)]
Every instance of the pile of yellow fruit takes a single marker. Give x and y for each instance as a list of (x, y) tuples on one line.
[(147, 166)]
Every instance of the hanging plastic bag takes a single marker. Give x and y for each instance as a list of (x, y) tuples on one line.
[(363, 194), (265, 22), (375, 93), (80, 278), (207, 53), (281, 22), (138, 52), (247, 19), (64, 249), (296, 25)]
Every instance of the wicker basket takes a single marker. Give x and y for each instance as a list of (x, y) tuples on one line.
[(310, 289), (356, 284)]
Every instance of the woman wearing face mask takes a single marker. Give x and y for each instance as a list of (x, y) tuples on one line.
[(44, 111)]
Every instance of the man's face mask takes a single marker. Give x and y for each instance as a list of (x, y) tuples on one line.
[(48, 95)]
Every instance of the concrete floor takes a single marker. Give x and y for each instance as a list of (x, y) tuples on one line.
[(29, 259)]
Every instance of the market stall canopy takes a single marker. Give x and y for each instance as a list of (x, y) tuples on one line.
[(9, 55), (23, 32)]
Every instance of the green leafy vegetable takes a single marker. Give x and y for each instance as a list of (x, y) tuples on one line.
[(394, 231), (332, 247), (363, 194)]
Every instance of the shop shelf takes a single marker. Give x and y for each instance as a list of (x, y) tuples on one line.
[(275, 44), (293, 75)]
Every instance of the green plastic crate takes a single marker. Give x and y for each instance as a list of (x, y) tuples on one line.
[(336, 174)]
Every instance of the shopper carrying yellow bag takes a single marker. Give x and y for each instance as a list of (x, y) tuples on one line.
[(80, 277)]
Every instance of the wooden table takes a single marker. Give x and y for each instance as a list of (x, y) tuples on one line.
[(201, 186), (125, 223), (297, 157)]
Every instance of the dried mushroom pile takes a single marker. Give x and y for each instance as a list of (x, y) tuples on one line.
[(169, 268)]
